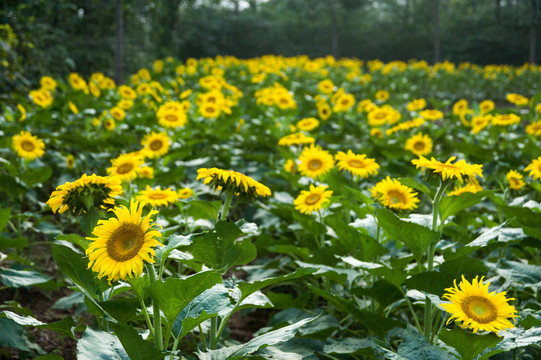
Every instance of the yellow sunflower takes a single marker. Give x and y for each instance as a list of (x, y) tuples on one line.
[(296, 139), (515, 180), (308, 124), (158, 197), (448, 170), (312, 200), (378, 116), (41, 97), (145, 172), (356, 164), (344, 103), (471, 187), (290, 166), (392, 194), (73, 107), (486, 106), (478, 123), (232, 180), (382, 95), (517, 99), (315, 162), (185, 193), (534, 128), (156, 144), (27, 145), (47, 83), (325, 86), (323, 110), (118, 113), (416, 105), (78, 196), (109, 124), (22, 110), (172, 118), (127, 92), (70, 161), (460, 106), (210, 110), (478, 309), (535, 168), (419, 144), (122, 243), (431, 114), (505, 119), (125, 166)]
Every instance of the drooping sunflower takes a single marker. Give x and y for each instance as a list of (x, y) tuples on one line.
[(22, 111), (312, 200), (406, 125), (472, 186), (158, 197), (478, 309), (517, 99), (125, 166), (356, 164), (27, 145), (535, 168), (505, 119), (308, 124), (419, 144), (296, 139), (315, 162), (459, 170), (122, 243), (156, 144), (515, 180), (78, 196), (394, 195), (232, 180)]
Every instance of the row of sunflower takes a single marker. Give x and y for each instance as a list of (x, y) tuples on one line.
[(349, 197)]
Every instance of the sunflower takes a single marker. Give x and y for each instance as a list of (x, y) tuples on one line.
[(296, 139), (290, 166), (358, 165), (505, 119), (308, 124), (448, 170), (312, 200), (117, 113), (323, 110), (517, 99), (172, 118), (22, 110), (419, 144), (344, 103), (73, 107), (85, 192), (232, 180), (122, 243), (382, 95), (185, 193), (28, 146), (534, 128), (478, 123), (109, 124), (431, 114), (392, 194), (514, 178), (315, 162), (460, 106), (478, 309), (127, 92), (325, 86), (47, 83), (41, 97), (378, 116), (534, 168), (158, 197), (145, 172), (70, 161), (471, 187), (209, 110), (125, 166), (156, 144), (486, 106), (376, 132), (416, 105)]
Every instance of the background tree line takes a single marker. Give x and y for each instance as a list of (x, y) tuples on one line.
[(57, 37)]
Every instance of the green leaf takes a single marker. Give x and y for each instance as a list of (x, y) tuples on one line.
[(49, 357), (123, 310), (100, 345), (201, 209), (414, 184), (140, 285), (415, 236), (220, 249), (11, 186), (375, 323), (63, 326), (309, 223), (524, 216), (340, 275), (432, 282), (135, 346), (4, 217), (75, 239), (384, 292), (21, 278), (172, 295), (18, 243), (173, 242), (13, 335), (350, 345), (467, 266), (415, 346), (468, 344), (32, 177), (451, 205), (271, 338), (89, 220)]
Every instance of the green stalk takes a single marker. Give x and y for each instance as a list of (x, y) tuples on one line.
[(430, 256), (155, 311), (227, 204)]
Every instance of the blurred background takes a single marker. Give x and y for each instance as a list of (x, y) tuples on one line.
[(117, 37)]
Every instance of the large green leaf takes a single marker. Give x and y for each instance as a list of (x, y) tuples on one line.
[(468, 344), (467, 266), (309, 223), (415, 236), (432, 282), (17, 243), (123, 310), (35, 176), (63, 326), (451, 205), (4, 217), (21, 278), (384, 292), (13, 335), (200, 209), (348, 345), (135, 346), (100, 345), (172, 295), (415, 346), (523, 215), (172, 242), (75, 239), (220, 249), (238, 352), (415, 184)]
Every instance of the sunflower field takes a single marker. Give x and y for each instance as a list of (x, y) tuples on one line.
[(274, 208)]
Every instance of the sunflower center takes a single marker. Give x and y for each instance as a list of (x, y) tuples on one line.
[(156, 145), (419, 145), (170, 118), (210, 109), (480, 309), (356, 163), (157, 196), (28, 145), (380, 115), (312, 199), (125, 168), (315, 164), (396, 197), (125, 243)]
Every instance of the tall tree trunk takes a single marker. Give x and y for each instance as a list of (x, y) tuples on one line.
[(119, 19), (436, 30), (334, 11), (533, 31)]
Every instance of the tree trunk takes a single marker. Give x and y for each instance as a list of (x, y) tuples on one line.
[(533, 31), (119, 19), (436, 30)]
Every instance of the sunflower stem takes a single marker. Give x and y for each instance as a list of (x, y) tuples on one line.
[(155, 311), (408, 302), (213, 341), (227, 204), (430, 256)]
